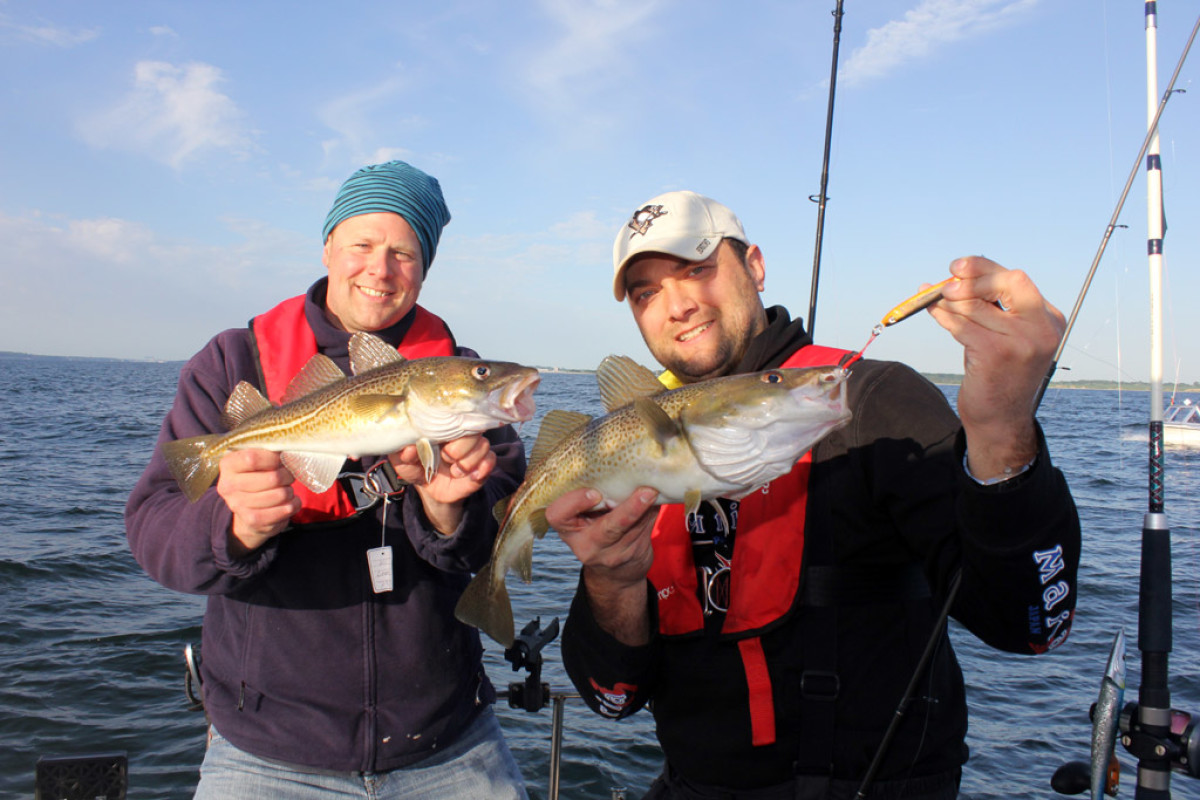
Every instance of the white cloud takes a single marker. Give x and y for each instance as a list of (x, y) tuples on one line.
[(148, 294), (587, 57), (923, 29), (174, 114), (353, 117), (48, 34)]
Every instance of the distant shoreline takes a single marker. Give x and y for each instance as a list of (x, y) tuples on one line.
[(948, 379), (939, 378)]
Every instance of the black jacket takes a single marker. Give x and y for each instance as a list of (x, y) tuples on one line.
[(887, 497)]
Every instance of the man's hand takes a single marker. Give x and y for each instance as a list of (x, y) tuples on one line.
[(463, 467), (615, 550), (1009, 334), (258, 490)]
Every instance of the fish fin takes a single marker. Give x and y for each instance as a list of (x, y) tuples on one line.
[(317, 373), (430, 455), (537, 521), (662, 427), (691, 501), (555, 427), (523, 563), (622, 380), (500, 509), (244, 402), (485, 604), (373, 407), (367, 352), (317, 471), (194, 462)]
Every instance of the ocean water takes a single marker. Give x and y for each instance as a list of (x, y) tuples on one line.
[(91, 649)]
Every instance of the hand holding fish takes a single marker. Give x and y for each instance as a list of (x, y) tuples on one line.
[(1009, 333), (615, 551), (717, 438), (463, 467), (257, 488)]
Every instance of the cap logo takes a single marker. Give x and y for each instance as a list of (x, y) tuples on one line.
[(643, 218), (700, 248)]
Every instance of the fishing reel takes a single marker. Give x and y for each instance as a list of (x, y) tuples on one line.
[(1180, 748), (526, 653)]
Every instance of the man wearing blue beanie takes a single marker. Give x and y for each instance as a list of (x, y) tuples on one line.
[(321, 679)]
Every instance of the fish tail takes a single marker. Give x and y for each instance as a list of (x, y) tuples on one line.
[(194, 462), (485, 605)]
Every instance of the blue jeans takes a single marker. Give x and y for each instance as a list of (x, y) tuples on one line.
[(477, 765)]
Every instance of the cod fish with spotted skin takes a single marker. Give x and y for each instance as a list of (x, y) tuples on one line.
[(723, 437), (388, 403)]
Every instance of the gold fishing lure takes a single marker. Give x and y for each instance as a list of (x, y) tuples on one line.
[(921, 300)]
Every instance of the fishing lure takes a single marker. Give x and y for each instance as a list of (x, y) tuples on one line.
[(921, 300)]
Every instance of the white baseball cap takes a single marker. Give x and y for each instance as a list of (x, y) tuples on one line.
[(682, 224)]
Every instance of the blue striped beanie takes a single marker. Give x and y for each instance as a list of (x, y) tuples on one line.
[(401, 189)]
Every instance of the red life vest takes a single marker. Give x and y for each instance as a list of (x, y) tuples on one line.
[(765, 570), (286, 342)]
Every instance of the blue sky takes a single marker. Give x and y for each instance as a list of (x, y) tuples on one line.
[(165, 168)]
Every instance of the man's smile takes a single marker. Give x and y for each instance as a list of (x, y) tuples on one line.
[(687, 336)]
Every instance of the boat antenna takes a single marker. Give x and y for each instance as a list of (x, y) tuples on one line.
[(822, 198)]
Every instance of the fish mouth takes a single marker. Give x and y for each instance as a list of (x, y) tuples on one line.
[(831, 385), (514, 402)]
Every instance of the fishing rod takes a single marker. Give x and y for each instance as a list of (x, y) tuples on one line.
[(1112, 222), (820, 199), (1148, 734), (1163, 739), (1177, 726)]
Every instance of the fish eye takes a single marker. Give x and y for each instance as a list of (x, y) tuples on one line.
[(772, 377), (481, 372)]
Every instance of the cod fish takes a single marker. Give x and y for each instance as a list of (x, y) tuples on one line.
[(723, 437), (388, 403), (1106, 719)]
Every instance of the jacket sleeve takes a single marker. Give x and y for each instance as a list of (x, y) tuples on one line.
[(1017, 544), (614, 679), (1021, 546), (183, 545)]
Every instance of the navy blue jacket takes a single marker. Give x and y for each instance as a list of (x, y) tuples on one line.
[(302, 661)]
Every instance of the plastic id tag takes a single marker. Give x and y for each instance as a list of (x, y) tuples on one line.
[(379, 560)]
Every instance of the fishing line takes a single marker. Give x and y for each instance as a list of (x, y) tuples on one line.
[(1152, 130)]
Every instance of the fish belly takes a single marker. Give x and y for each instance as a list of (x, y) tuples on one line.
[(373, 439)]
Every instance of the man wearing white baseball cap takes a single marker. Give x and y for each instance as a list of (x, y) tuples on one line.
[(775, 654)]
